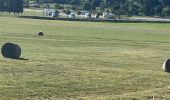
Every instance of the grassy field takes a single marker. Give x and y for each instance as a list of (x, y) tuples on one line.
[(85, 60)]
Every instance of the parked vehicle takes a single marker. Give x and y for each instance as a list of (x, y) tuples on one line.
[(54, 14), (108, 16), (87, 15), (48, 12), (72, 15)]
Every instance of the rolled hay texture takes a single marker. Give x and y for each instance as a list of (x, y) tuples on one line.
[(11, 50), (40, 34), (166, 66)]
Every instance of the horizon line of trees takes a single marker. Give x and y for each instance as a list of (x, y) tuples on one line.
[(15, 6), (159, 8)]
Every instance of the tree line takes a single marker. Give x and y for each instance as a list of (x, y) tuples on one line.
[(15, 6), (159, 8)]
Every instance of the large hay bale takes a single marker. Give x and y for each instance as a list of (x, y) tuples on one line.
[(11, 50), (166, 66), (40, 34)]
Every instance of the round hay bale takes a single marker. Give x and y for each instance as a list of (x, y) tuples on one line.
[(11, 50), (40, 34), (166, 66)]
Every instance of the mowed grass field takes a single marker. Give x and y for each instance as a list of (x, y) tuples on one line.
[(85, 60)]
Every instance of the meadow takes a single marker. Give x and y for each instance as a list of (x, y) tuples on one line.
[(85, 60)]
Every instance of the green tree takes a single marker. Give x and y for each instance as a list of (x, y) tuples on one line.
[(95, 3), (102, 6), (67, 12), (87, 6), (166, 12), (134, 7), (19, 6), (78, 13), (165, 2), (2, 8), (158, 10), (57, 6)]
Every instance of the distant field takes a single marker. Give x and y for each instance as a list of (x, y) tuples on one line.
[(85, 60)]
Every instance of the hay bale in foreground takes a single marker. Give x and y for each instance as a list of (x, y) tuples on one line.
[(166, 66), (11, 50), (40, 34)]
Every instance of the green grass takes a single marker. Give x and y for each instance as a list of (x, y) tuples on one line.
[(85, 60)]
